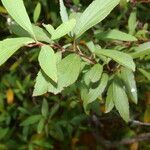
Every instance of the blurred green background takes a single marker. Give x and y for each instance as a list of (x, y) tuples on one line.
[(64, 125)]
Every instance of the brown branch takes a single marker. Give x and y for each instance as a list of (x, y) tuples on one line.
[(144, 1), (140, 1), (127, 141), (57, 46), (86, 57), (136, 122), (38, 44)]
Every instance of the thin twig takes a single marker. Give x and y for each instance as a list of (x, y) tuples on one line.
[(57, 46), (141, 1), (136, 122), (39, 44), (127, 141), (89, 59), (86, 57)]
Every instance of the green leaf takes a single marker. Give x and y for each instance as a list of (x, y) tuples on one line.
[(53, 110), (76, 2), (91, 46), (40, 34), (120, 99), (23, 110), (64, 29), (120, 57), (9, 46), (18, 12), (109, 100), (132, 23), (68, 70), (145, 73), (63, 11), (95, 13), (47, 60), (41, 85), (141, 50), (75, 15), (84, 93), (49, 28), (94, 92), (57, 132), (37, 12), (40, 126), (45, 108), (3, 10), (3, 132), (78, 119), (58, 56), (41, 142), (95, 73), (115, 35), (44, 84), (54, 88), (130, 84), (31, 120)]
